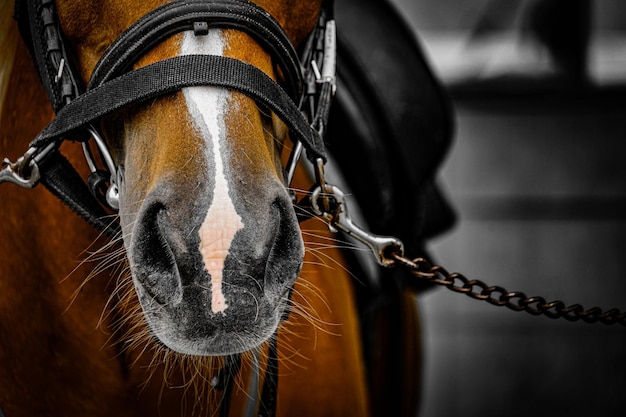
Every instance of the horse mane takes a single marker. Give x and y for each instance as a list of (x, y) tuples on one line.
[(8, 45)]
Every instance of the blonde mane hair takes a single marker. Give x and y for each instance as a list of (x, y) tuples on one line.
[(8, 44)]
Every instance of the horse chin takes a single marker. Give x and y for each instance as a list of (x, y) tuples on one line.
[(184, 307)]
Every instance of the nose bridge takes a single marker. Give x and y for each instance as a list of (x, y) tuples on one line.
[(220, 119), (255, 135)]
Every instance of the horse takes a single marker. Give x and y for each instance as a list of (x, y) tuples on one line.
[(211, 261)]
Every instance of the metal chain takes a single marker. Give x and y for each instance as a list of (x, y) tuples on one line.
[(329, 203), (499, 296)]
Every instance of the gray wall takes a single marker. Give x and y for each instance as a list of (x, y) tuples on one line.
[(539, 182), (540, 194)]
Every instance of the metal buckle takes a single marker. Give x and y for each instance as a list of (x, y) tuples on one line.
[(329, 203), (339, 219), (25, 171)]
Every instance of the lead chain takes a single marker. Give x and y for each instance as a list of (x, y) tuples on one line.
[(499, 296)]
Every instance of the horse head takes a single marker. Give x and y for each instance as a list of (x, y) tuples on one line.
[(210, 233)]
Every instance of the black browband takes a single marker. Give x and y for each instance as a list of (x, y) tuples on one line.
[(114, 86), (199, 16)]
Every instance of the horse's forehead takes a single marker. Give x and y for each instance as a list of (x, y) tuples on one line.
[(108, 18)]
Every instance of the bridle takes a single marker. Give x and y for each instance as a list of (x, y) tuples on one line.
[(302, 101)]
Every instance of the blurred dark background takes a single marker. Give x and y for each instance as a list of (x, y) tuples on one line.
[(538, 179)]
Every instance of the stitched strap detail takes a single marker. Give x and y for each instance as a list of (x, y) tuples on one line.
[(171, 75), (38, 25)]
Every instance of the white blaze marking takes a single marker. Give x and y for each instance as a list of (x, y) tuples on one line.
[(207, 107)]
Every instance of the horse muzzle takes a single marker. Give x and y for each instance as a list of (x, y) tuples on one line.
[(219, 292)]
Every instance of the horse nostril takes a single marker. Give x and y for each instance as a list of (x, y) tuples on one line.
[(287, 251), (153, 260)]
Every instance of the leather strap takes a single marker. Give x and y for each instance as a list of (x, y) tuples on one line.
[(224, 381), (66, 184), (172, 74), (200, 15), (269, 396), (38, 25)]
